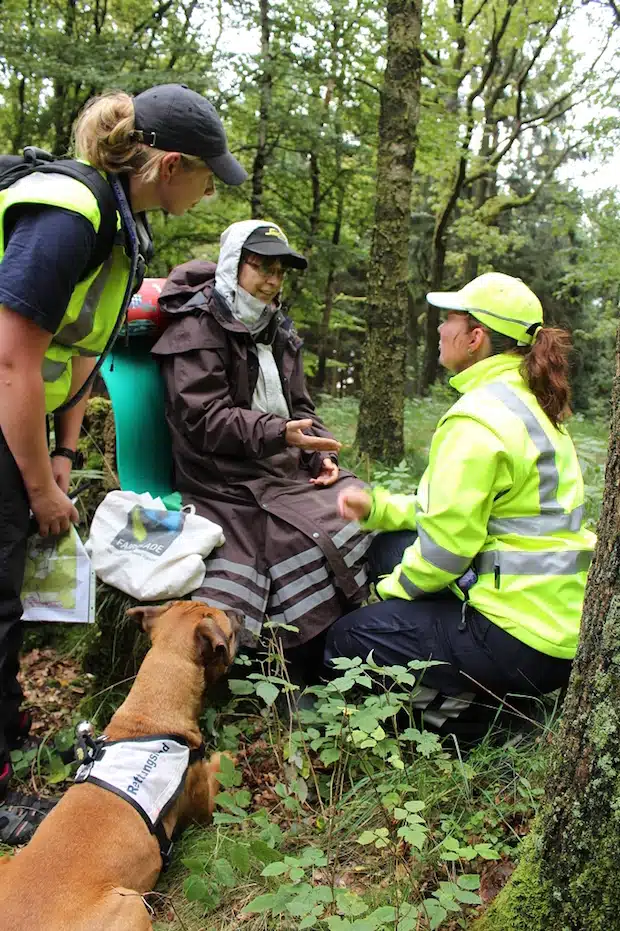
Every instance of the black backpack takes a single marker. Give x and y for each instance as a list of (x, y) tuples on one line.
[(14, 167)]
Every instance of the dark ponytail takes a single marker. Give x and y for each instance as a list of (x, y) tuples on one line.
[(544, 368)]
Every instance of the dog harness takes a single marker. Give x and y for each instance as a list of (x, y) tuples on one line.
[(148, 772)]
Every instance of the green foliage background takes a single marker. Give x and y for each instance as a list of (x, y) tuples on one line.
[(298, 85)]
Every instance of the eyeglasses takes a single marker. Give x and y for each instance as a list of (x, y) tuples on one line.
[(267, 267)]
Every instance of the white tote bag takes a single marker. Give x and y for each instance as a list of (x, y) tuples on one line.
[(146, 551)]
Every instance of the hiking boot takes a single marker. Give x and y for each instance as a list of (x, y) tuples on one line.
[(21, 815)]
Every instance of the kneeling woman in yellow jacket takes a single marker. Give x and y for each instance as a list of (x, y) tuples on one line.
[(495, 561)]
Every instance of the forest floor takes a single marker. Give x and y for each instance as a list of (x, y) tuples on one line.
[(353, 821)]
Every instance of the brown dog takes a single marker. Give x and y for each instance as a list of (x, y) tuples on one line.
[(93, 856)]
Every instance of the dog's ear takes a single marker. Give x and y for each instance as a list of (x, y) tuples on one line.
[(216, 645), (236, 619), (146, 615)]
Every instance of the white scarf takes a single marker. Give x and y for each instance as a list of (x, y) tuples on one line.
[(251, 311)]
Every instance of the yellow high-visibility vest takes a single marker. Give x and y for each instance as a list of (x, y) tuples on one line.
[(503, 493), (96, 301)]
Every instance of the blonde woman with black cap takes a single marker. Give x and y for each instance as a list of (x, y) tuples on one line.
[(485, 566), (67, 269)]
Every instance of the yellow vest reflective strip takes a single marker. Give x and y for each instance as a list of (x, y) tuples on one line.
[(412, 590), (539, 524), (547, 562), (51, 370), (440, 557), (80, 329), (552, 518)]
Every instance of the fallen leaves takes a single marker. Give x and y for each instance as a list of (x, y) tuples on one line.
[(493, 877), (53, 687)]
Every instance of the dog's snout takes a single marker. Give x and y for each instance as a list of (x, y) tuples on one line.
[(220, 653), (214, 645)]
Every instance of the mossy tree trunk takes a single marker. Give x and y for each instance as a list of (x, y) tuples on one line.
[(380, 431), (569, 876)]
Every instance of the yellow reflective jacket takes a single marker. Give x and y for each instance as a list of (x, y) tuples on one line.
[(94, 306), (502, 493)]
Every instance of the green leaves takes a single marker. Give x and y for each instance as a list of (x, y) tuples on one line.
[(239, 856), (262, 903), (426, 742), (267, 691), (241, 687), (379, 837), (264, 852), (200, 889), (376, 920), (228, 775), (329, 755), (293, 881), (223, 873), (453, 850)]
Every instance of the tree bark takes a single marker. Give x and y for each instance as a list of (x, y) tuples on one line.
[(568, 877), (323, 345), (18, 141), (380, 431), (480, 192), (266, 90), (62, 122)]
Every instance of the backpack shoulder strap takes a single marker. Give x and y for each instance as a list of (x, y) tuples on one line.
[(100, 188), (12, 168), (15, 167)]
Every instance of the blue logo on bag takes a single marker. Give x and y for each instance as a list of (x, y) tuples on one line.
[(149, 530)]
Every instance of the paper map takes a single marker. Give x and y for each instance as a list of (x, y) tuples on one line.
[(59, 582)]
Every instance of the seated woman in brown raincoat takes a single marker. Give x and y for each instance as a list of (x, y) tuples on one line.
[(248, 448)]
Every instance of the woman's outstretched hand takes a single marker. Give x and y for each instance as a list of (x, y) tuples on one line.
[(354, 503), (328, 474), (295, 436)]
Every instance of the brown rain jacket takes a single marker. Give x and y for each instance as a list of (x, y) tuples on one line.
[(287, 553)]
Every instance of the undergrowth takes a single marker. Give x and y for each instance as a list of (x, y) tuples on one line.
[(346, 815)]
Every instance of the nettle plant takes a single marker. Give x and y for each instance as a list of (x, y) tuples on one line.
[(358, 741)]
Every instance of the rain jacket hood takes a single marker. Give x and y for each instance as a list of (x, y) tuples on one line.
[(252, 312), (185, 288), (231, 244)]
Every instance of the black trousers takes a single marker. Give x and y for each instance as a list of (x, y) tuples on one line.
[(483, 668), (14, 518)]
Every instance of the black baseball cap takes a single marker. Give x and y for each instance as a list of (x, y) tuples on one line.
[(174, 118), (269, 240)]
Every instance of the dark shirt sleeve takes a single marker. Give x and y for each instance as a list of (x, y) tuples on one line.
[(46, 255)]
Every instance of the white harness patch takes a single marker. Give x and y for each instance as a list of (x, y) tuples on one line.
[(148, 773)]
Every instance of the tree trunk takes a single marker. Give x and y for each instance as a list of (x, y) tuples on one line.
[(323, 346), (480, 193), (380, 431), (431, 351), (568, 877), (412, 323), (266, 88), (18, 141)]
